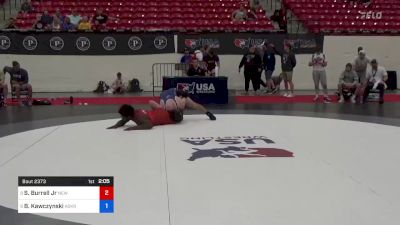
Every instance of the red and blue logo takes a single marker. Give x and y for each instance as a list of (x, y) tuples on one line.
[(186, 87), (247, 43), (235, 147), (197, 43), (192, 43)]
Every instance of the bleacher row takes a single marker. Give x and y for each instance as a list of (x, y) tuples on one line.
[(340, 16), (210, 15), (327, 16)]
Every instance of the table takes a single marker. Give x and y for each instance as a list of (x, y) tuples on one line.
[(204, 90)]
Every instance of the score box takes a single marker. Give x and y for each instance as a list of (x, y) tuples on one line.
[(65, 194)]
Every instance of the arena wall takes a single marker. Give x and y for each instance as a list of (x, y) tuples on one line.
[(81, 73)]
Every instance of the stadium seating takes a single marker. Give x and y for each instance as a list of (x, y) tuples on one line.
[(143, 15), (339, 16)]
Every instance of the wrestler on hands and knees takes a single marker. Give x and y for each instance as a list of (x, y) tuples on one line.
[(146, 119)]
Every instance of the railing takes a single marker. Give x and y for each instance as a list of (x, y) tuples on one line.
[(273, 5), (160, 70), (7, 8), (318, 26)]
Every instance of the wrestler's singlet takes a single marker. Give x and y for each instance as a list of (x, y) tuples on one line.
[(156, 116)]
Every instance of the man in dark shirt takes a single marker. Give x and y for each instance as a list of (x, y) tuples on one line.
[(252, 63), (26, 6), (46, 19), (3, 90), (187, 57), (100, 19), (269, 67), (195, 69), (288, 61), (19, 81), (212, 61)]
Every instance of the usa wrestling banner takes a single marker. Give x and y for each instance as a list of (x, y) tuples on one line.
[(239, 43)]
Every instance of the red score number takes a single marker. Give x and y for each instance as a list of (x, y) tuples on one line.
[(106, 193)]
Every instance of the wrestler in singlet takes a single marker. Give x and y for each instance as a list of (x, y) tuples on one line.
[(156, 116), (172, 99)]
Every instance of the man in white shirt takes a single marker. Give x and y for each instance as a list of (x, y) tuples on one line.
[(75, 18), (376, 78), (319, 63), (118, 85), (361, 64)]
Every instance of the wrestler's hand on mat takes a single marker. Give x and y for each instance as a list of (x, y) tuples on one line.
[(211, 116), (113, 127)]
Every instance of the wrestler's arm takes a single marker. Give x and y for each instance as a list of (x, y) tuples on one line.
[(120, 123), (154, 105), (141, 124)]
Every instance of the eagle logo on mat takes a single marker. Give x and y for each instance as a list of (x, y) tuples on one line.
[(239, 152), (235, 147)]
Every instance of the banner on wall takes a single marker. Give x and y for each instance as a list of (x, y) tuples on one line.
[(239, 43), (85, 43)]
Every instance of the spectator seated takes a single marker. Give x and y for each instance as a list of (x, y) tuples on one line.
[(142, 15)]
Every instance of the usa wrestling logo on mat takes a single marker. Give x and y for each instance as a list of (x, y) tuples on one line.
[(234, 147)]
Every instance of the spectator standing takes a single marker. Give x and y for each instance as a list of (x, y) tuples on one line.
[(212, 62), (240, 14), (288, 61), (376, 78), (279, 17), (260, 49), (269, 62), (26, 6), (360, 65), (3, 89), (366, 3), (118, 85), (348, 80), (255, 5), (251, 62), (318, 62), (75, 18), (85, 24), (195, 69), (19, 81), (187, 57), (67, 25)]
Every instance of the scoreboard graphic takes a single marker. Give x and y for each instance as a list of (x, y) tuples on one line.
[(65, 194)]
